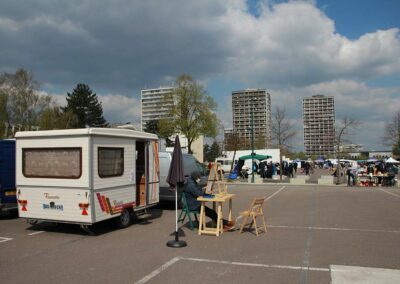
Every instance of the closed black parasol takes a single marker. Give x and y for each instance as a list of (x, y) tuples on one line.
[(174, 178), (175, 173)]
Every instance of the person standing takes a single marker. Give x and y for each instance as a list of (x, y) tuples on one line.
[(290, 170), (307, 168)]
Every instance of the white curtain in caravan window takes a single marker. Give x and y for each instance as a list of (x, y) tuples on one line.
[(154, 172)]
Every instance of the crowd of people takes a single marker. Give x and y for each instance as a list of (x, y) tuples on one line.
[(269, 169), (378, 170), (375, 171)]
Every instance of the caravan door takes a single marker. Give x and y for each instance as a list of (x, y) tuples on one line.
[(153, 172)]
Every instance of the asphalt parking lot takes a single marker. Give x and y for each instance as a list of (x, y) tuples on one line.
[(316, 234)]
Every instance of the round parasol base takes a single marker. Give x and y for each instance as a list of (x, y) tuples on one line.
[(176, 244)]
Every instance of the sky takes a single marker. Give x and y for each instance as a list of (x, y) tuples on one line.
[(293, 49)]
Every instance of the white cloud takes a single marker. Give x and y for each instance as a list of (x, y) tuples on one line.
[(358, 99), (121, 109), (116, 108), (295, 44), (119, 47), (128, 44)]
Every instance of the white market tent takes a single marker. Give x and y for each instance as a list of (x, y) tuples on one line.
[(392, 161)]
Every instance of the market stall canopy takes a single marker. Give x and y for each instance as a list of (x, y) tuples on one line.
[(392, 161), (255, 157)]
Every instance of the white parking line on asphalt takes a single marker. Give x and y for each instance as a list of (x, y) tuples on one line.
[(258, 264), (393, 194), (266, 199), (334, 229), (176, 259), (35, 233), (3, 239), (158, 270), (279, 190)]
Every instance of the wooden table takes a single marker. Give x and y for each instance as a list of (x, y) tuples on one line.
[(217, 201)]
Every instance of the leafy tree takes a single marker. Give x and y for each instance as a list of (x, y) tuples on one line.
[(21, 105), (85, 105), (392, 134), (211, 152), (206, 152), (151, 126), (3, 116), (193, 113), (54, 118), (154, 126), (396, 149), (282, 132), (215, 151), (300, 155)]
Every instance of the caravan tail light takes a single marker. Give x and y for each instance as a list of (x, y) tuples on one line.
[(84, 207), (23, 203)]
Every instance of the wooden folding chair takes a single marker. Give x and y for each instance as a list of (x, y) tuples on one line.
[(254, 211)]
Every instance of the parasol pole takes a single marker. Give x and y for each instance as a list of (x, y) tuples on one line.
[(176, 243), (176, 214), (174, 180)]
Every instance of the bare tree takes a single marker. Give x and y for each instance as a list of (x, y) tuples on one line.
[(345, 128), (392, 134), (22, 104), (233, 144), (282, 132)]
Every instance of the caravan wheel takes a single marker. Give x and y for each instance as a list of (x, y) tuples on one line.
[(124, 220)]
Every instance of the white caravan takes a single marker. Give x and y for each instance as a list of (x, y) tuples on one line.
[(84, 176)]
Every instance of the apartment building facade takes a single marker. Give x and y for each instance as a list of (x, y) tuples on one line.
[(155, 104), (251, 110), (319, 125)]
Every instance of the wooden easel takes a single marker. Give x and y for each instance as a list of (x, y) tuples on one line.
[(214, 178)]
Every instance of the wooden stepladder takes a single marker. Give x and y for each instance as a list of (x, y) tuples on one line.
[(216, 179), (215, 182)]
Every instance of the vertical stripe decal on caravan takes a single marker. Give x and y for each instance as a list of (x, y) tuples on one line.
[(100, 202), (157, 159), (103, 198), (109, 206), (156, 171)]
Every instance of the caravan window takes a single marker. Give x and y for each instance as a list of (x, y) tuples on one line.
[(52, 163), (110, 162)]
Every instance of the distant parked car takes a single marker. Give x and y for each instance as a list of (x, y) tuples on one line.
[(190, 164)]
